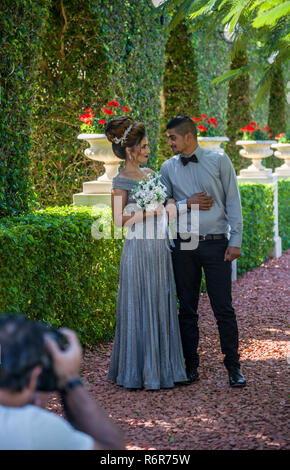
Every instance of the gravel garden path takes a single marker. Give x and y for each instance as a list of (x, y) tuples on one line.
[(209, 415)]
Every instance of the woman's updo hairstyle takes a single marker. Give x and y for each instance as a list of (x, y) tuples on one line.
[(117, 127)]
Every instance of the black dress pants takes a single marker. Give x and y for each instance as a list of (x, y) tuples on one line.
[(188, 265)]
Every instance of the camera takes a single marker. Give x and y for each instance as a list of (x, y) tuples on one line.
[(47, 380)]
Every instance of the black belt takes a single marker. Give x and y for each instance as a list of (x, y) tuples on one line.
[(214, 236)]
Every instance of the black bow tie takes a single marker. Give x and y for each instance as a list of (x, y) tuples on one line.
[(185, 160)]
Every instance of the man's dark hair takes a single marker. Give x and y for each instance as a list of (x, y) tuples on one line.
[(21, 346), (183, 125)]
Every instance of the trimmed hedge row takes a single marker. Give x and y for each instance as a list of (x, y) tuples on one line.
[(258, 225), (284, 212), (53, 270)]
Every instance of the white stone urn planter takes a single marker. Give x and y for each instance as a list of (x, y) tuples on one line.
[(212, 143), (256, 150), (100, 150), (282, 152)]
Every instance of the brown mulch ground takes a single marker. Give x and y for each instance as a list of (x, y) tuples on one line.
[(209, 414)]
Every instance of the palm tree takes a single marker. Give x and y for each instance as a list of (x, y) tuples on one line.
[(265, 20)]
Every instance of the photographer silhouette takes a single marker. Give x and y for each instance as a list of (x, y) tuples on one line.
[(34, 359)]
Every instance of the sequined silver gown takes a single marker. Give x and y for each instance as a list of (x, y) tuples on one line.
[(147, 351)]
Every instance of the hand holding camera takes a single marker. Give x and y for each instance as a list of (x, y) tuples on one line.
[(67, 362)]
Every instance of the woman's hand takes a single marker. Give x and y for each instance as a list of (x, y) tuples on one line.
[(171, 210), (158, 211)]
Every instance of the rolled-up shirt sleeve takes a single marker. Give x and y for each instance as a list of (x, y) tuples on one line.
[(233, 201)]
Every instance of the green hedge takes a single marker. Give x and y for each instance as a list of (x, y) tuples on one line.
[(21, 25), (53, 270), (258, 231), (284, 212)]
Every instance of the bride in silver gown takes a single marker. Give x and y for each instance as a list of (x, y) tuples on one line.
[(147, 351)]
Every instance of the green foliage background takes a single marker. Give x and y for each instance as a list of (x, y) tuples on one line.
[(277, 110), (180, 82), (60, 56), (21, 24), (238, 110), (72, 76), (87, 59), (135, 37), (212, 56)]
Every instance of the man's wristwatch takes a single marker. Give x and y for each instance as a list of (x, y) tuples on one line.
[(71, 384)]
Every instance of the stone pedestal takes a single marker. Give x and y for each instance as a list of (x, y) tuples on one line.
[(212, 143), (256, 150), (99, 191)]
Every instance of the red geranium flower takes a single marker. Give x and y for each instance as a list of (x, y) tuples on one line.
[(107, 111), (89, 122), (250, 128), (204, 116), (202, 128), (126, 109), (89, 110), (196, 119), (85, 117), (115, 104), (102, 121), (253, 123), (267, 128)]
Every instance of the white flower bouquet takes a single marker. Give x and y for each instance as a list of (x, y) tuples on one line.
[(150, 193)]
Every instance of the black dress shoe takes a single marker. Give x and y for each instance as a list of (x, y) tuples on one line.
[(192, 374), (236, 378)]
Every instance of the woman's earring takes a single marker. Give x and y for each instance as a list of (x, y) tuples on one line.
[(130, 156)]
